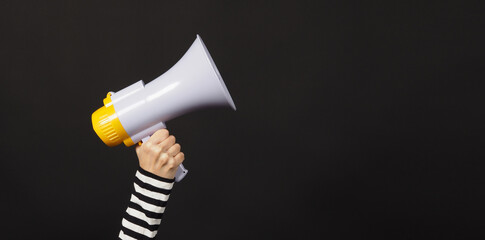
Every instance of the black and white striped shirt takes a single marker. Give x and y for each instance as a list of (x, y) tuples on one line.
[(147, 204)]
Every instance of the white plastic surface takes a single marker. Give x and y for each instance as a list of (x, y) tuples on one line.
[(192, 83), (127, 91)]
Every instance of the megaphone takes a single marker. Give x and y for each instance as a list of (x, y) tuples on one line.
[(134, 113)]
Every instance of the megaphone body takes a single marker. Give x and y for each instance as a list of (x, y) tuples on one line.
[(134, 113)]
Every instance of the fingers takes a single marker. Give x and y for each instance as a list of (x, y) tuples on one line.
[(179, 158), (159, 136), (167, 143), (153, 149), (160, 154), (174, 150), (171, 163), (163, 160)]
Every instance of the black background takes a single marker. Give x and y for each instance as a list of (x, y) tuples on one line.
[(355, 120)]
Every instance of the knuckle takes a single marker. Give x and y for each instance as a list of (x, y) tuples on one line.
[(164, 157), (154, 149), (171, 164)]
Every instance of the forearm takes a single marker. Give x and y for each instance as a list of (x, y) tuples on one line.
[(146, 207)]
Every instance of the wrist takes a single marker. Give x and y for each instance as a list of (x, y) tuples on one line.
[(155, 176)]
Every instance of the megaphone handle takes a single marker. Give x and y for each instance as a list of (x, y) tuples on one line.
[(181, 170)]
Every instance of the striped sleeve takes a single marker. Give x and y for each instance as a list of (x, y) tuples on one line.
[(147, 204)]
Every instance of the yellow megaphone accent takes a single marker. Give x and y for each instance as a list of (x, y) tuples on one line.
[(107, 125)]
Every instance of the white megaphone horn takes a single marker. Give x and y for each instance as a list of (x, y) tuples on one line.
[(134, 113)]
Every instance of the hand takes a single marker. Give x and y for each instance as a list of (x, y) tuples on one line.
[(160, 155)]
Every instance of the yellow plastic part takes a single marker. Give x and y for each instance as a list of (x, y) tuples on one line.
[(108, 126)]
